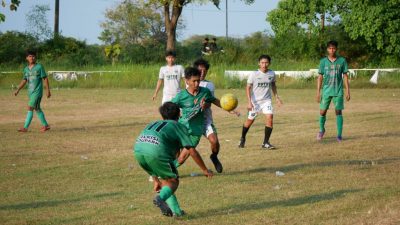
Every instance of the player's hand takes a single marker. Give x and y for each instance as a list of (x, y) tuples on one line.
[(318, 97), (249, 106), (279, 101), (154, 97), (16, 92), (48, 94), (235, 112), (208, 173), (348, 96)]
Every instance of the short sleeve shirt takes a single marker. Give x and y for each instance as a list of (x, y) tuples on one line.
[(208, 112), (192, 114), (34, 77), (163, 139), (172, 76), (261, 85), (332, 75)]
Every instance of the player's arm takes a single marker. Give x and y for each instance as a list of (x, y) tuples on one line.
[(275, 92), (319, 85), (47, 86), (159, 83), (346, 85), (248, 95), (20, 86), (196, 157)]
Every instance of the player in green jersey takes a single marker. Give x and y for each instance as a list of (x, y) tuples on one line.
[(193, 101), (155, 150), (34, 75), (333, 75)]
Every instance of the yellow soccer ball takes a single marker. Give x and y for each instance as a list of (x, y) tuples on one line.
[(229, 102)]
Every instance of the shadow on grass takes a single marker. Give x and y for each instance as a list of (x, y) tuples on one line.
[(270, 204), (95, 127), (52, 203)]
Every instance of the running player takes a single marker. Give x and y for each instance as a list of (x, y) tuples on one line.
[(170, 75), (155, 150), (34, 75), (259, 98), (332, 76)]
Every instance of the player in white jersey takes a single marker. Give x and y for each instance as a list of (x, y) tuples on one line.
[(170, 75), (259, 98)]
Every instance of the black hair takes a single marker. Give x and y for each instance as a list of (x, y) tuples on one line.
[(332, 43), (202, 62), (190, 72), (170, 53), (264, 57), (206, 39), (214, 39), (30, 52), (169, 111)]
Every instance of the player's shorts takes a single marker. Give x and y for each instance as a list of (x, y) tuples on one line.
[(168, 97), (157, 167), (195, 139), (265, 107), (209, 129), (326, 101), (34, 102)]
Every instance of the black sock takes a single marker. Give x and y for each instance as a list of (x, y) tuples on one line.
[(268, 131), (244, 131)]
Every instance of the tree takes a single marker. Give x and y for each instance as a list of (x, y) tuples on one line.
[(13, 7), (36, 20)]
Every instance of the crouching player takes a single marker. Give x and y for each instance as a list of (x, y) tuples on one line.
[(155, 150)]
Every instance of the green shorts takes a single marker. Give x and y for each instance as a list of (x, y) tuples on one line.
[(326, 101), (156, 167), (34, 102), (195, 139)]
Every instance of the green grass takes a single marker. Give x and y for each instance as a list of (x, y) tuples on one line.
[(83, 172)]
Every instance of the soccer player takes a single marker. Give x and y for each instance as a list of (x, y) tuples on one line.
[(193, 101), (170, 75), (155, 150), (332, 76), (259, 98), (35, 76)]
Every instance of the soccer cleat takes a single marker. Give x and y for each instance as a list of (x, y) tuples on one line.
[(320, 135), (22, 130), (339, 138), (45, 128), (242, 142), (216, 162), (165, 210), (268, 146)]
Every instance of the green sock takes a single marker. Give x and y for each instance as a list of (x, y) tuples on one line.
[(339, 124), (176, 163), (165, 193), (28, 119), (174, 205), (322, 120), (40, 114)]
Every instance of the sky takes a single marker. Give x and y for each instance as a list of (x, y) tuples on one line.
[(81, 18)]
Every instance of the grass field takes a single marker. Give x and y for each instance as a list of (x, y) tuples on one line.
[(83, 172)]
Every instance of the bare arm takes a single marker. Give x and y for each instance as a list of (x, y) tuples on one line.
[(248, 94), (46, 84), (197, 159), (159, 83), (275, 92), (347, 86), (20, 86), (319, 85)]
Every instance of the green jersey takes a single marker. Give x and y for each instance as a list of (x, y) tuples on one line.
[(192, 114), (163, 139), (34, 77), (332, 75)]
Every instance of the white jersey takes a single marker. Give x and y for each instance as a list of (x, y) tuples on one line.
[(207, 112), (261, 85), (172, 77)]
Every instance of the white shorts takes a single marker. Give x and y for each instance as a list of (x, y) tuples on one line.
[(167, 98), (265, 107), (209, 129)]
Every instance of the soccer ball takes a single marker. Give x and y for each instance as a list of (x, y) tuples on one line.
[(229, 102)]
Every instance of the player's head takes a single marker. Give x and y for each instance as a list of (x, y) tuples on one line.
[(202, 65), (30, 56), (170, 57), (169, 111), (331, 47), (263, 62), (192, 77)]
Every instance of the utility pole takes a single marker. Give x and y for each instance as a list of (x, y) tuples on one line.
[(56, 18), (226, 19)]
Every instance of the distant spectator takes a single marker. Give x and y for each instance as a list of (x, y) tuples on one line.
[(206, 47), (213, 45)]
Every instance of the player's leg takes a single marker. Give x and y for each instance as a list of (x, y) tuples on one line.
[(33, 101), (268, 112), (323, 108), (251, 116), (212, 137), (339, 106), (41, 117)]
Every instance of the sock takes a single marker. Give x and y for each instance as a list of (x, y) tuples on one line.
[(174, 205), (165, 193), (322, 120), (268, 131), (339, 124), (244, 131), (176, 163), (40, 114), (28, 119)]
